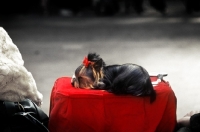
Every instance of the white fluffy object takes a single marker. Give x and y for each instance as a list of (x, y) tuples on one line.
[(16, 83)]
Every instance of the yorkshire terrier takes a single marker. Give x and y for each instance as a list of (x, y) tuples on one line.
[(123, 79)]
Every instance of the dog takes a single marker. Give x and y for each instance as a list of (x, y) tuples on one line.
[(126, 79)]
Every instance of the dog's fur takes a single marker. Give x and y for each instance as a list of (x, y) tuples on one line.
[(120, 79)]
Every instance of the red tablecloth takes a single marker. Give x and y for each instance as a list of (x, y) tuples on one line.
[(80, 110)]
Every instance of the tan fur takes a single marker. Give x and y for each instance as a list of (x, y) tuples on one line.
[(97, 75)]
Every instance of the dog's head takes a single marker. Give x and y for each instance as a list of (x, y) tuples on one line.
[(88, 74)]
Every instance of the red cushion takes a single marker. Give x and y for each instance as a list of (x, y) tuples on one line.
[(81, 110)]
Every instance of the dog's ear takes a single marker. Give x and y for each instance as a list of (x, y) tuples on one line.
[(98, 65)]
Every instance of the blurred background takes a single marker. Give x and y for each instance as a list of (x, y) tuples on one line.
[(53, 37)]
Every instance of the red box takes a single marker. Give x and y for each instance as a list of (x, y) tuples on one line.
[(81, 110)]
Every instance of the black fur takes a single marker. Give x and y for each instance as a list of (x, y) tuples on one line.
[(128, 79)]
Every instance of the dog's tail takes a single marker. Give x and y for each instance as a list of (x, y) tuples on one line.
[(151, 92), (152, 96)]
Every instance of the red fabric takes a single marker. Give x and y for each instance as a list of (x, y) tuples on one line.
[(81, 110)]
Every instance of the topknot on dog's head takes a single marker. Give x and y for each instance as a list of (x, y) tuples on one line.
[(93, 57)]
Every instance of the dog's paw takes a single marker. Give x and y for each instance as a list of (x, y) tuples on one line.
[(101, 85)]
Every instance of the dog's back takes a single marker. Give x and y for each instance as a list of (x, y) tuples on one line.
[(129, 79)]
